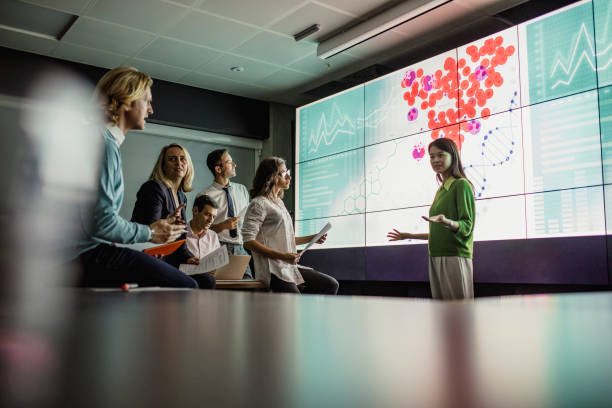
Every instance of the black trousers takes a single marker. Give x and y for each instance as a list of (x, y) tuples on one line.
[(315, 282)]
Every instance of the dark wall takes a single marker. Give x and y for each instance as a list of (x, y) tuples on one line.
[(174, 104), (545, 261)]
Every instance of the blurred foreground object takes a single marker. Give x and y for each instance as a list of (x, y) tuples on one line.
[(51, 156)]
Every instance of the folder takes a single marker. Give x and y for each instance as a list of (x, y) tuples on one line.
[(165, 249)]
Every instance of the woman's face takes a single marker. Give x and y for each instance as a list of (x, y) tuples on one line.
[(283, 177), (175, 163), (440, 160)]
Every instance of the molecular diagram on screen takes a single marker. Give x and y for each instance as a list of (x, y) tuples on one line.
[(497, 147), (470, 82)]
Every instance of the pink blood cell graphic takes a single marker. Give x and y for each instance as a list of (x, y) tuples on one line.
[(480, 72), (427, 83), (418, 152), (473, 126), (413, 114), (409, 77)]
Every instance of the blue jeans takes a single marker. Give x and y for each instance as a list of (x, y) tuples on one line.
[(110, 266), (235, 249)]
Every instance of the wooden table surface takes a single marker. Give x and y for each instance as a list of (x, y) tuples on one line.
[(224, 349)]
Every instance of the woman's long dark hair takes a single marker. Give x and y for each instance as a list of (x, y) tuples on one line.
[(263, 182), (450, 147)]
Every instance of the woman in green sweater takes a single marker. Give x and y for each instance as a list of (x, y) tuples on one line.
[(451, 226)]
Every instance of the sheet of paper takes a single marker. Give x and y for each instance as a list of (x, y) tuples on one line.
[(144, 289), (216, 259), (323, 231), (137, 247)]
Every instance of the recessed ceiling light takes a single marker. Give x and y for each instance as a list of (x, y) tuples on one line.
[(237, 69)]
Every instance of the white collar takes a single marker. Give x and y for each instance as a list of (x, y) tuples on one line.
[(117, 134), (220, 187)]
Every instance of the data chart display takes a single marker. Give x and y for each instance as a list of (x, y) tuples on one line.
[(530, 109)]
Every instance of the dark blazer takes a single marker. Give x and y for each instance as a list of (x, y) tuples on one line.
[(154, 201)]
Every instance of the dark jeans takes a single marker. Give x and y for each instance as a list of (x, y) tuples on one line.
[(315, 282), (110, 266), (205, 280)]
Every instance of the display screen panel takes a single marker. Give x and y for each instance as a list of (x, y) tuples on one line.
[(530, 109)]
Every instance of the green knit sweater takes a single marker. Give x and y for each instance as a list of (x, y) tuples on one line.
[(454, 199)]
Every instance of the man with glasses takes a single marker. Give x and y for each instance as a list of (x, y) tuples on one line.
[(233, 200)]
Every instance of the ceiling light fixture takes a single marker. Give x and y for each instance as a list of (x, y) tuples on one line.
[(237, 69), (378, 24), (305, 33)]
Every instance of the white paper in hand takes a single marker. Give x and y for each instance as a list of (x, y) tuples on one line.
[(323, 231), (216, 259)]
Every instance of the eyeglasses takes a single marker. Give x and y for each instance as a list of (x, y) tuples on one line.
[(225, 162), (285, 174)]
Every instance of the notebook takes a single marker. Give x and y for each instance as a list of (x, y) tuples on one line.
[(235, 269), (165, 249)]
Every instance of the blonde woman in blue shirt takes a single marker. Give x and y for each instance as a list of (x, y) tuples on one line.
[(451, 226)]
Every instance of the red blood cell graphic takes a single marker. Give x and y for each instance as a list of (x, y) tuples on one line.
[(471, 82)]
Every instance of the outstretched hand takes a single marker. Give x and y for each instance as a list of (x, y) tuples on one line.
[(395, 235), (322, 239)]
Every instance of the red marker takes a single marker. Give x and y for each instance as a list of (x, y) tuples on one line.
[(127, 286)]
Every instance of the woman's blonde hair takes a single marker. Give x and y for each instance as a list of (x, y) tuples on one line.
[(119, 87), (158, 170)]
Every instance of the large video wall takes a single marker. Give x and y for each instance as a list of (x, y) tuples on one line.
[(530, 108)]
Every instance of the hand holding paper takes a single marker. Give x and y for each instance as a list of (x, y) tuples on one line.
[(214, 260), (319, 238)]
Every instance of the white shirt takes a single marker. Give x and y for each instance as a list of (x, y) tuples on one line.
[(240, 197), (201, 245), (117, 133), (270, 224)]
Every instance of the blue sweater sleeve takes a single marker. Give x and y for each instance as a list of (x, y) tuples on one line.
[(108, 224)]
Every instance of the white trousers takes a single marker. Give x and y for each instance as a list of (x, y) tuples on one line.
[(451, 277)]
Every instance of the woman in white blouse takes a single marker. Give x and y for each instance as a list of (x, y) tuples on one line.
[(268, 233)]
